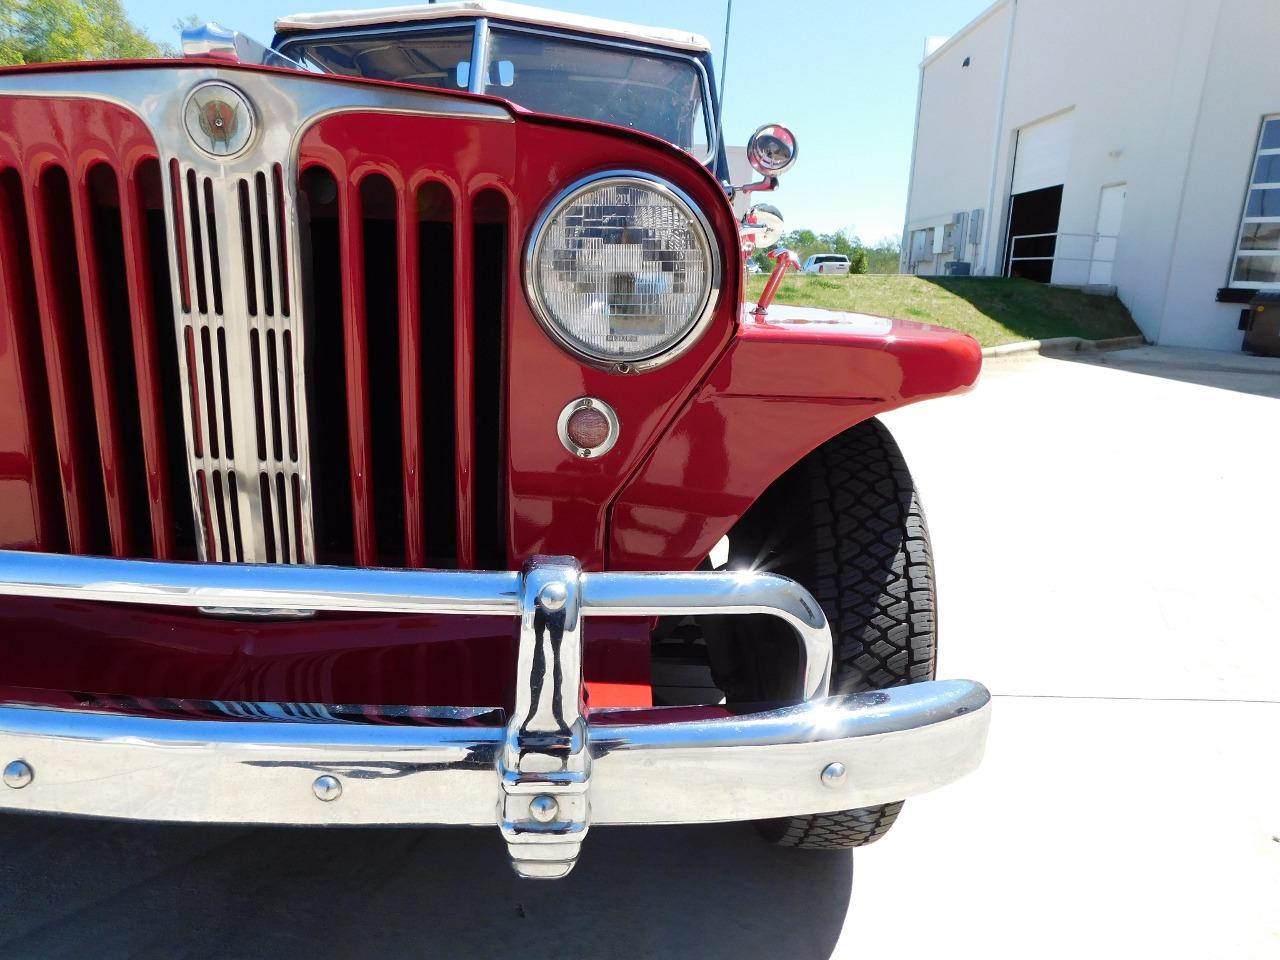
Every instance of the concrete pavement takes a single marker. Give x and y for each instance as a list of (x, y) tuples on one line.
[(1108, 552), (1108, 548)]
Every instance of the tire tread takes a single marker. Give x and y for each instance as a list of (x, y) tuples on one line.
[(871, 568)]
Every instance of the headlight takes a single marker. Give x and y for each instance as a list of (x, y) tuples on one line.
[(621, 268)]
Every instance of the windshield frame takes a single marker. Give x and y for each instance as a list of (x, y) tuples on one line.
[(480, 44)]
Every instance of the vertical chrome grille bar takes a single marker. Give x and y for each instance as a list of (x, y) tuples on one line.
[(194, 380), (265, 423)]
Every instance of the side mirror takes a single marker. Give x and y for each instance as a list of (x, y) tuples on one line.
[(762, 226), (215, 42), (211, 40), (772, 150)]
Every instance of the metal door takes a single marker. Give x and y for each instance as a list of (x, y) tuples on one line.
[(1107, 233)]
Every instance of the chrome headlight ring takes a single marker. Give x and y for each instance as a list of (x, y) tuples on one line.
[(703, 305)]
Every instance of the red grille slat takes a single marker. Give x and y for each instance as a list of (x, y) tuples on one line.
[(399, 240), (58, 308), (22, 366), (101, 375), (463, 387), (410, 378), (144, 320), (356, 350)]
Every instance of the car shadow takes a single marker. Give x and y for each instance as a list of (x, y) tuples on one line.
[(80, 888), (1236, 371)]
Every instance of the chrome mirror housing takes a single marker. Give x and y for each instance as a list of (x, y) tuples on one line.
[(214, 41), (762, 226), (210, 39), (772, 150)]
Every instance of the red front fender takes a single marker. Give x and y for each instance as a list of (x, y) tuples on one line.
[(787, 383)]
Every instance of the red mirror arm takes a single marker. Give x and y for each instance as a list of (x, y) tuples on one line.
[(784, 260)]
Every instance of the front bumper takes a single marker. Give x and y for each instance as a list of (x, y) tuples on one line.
[(543, 775)]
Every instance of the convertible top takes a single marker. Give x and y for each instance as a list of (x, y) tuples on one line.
[(496, 10)]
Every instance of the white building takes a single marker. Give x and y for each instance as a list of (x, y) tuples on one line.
[(1133, 143)]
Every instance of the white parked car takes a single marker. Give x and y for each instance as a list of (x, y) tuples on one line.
[(836, 263)]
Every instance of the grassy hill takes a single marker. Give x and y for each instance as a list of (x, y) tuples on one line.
[(992, 310)]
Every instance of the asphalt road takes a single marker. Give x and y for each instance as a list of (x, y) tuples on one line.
[(1106, 530)]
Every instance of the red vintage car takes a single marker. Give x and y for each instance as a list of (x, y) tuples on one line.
[(406, 363)]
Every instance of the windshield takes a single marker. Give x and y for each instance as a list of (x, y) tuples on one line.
[(631, 87)]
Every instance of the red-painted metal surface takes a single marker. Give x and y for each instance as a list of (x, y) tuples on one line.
[(359, 430), (431, 660), (55, 300), (101, 373), (30, 503), (789, 381), (783, 260), (144, 320), (53, 147), (701, 437), (555, 503), (464, 427), (411, 452)]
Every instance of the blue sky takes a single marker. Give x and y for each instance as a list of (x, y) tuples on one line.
[(842, 75)]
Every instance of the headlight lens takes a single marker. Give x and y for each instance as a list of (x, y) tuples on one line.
[(621, 268)]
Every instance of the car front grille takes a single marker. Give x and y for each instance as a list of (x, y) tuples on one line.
[(85, 311), (407, 287), (270, 359)]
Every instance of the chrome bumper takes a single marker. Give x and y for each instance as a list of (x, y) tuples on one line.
[(542, 775)]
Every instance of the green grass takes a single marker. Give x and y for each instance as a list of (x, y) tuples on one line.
[(992, 310)]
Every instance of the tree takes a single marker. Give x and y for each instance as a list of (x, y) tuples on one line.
[(39, 31), (799, 239), (882, 257), (885, 256), (10, 48)]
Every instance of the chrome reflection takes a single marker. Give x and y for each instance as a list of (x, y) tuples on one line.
[(545, 774)]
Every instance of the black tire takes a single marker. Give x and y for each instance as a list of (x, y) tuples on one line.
[(847, 524)]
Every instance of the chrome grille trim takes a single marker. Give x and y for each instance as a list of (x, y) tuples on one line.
[(229, 488), (240, 357)]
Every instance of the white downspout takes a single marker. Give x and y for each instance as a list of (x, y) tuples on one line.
[(994, 222), (904, 258)]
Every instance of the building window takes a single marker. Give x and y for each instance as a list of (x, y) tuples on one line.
[(1257, 262)]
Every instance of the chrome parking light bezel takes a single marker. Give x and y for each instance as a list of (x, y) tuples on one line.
[(584, 403)]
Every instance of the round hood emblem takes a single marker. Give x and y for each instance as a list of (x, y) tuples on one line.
[(219, 119)]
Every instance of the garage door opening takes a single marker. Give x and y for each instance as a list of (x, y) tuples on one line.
[(1041, 159), (1033, 234)]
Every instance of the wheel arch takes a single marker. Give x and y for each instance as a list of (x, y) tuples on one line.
[(786, 385)]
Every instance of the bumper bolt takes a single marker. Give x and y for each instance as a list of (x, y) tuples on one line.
[(833, 774), (18, 774), (327, 788), (553, 596), (544, 808)]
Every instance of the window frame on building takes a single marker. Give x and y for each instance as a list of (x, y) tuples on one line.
[(1260, 212)]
